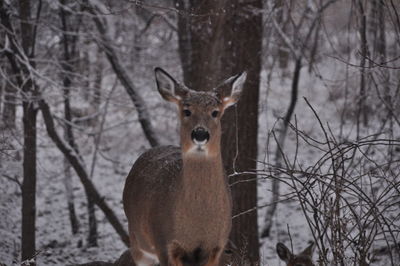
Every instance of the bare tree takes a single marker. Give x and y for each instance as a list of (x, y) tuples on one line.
[(297, 49), (364, 54), (122, 74), (80, 170), (29, 91), (69, 53), (66, 65)]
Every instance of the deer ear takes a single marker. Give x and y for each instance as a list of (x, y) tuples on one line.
[(168, 87), (283, 252), (308, 251), (230, 90)]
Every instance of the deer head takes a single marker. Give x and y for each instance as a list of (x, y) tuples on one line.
[(200, 112)]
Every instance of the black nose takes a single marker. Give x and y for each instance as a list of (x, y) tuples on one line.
[(200, 134)]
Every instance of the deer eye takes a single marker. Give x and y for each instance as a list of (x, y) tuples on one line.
[(187, 112), (214, 113)]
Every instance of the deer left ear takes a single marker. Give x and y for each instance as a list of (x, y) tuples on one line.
[(230, 90), (283, 252)]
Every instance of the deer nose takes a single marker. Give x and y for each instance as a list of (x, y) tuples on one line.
[(200, 135)]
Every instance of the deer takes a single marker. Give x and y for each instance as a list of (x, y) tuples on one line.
[(304, 258), (177, 199)]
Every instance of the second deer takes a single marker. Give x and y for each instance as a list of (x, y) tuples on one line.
[(177, 199), (304, 258)]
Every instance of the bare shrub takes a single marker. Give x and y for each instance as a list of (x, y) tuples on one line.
[(349, 196)]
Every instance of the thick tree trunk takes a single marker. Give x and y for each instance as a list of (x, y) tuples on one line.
[(246, 37), (201, 41), (28, 247), (212, 48)]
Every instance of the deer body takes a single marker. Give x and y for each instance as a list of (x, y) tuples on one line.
[(177, 199)]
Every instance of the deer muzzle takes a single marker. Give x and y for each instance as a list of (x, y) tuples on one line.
[(200, 136)]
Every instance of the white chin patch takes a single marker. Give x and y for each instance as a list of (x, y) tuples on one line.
[(200, 143), (199, 148)]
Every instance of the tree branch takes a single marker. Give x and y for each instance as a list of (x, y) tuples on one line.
[(76, 163), (120, 71)]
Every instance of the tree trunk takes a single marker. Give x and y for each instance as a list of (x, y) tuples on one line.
[(67, 68), (28, 247), (212, 48), (96, 99), (269, 214), (29, 116), (245, 55), (69, 191), (282, 50), (362, 105), (10, 101)]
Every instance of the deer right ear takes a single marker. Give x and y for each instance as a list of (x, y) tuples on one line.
[(308, 251), (167, 86), (230, 90)]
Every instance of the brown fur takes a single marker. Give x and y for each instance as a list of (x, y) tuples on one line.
[(177, 200)]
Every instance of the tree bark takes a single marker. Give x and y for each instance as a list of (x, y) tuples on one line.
[(212, 47), (96, 99), (10, 101), (29, 116)]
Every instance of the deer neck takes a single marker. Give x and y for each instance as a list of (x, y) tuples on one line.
[(202, 172)]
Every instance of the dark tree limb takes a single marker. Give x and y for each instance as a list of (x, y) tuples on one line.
[(120, 71), (68, 54), (78, 166), (69, 136), (278, 153), (297, 49)]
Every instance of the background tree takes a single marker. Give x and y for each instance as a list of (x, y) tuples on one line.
[(25, 52)]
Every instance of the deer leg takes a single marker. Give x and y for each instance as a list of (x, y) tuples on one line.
[(141, 257), (215, 257)]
